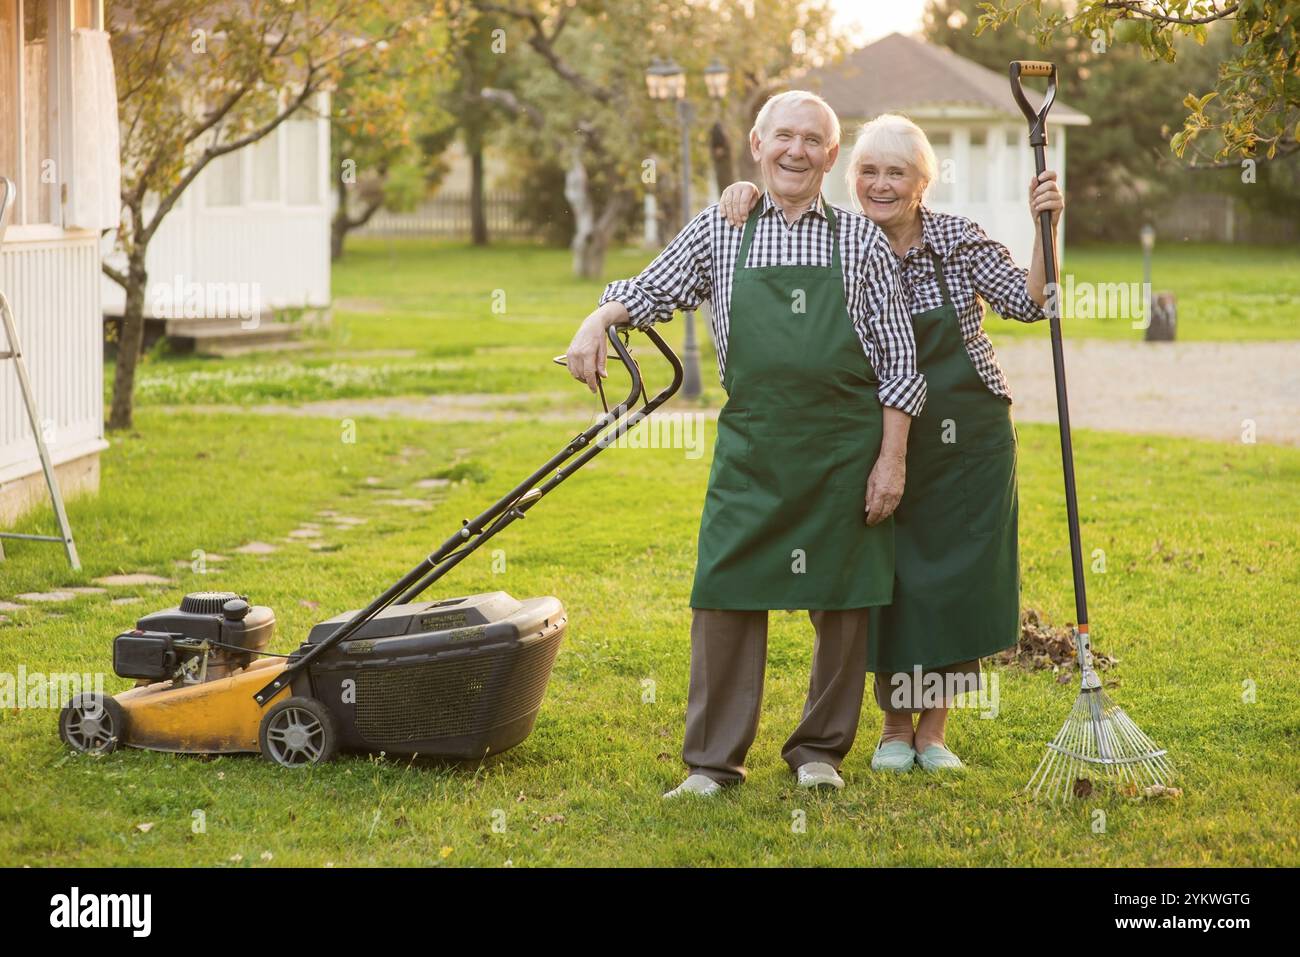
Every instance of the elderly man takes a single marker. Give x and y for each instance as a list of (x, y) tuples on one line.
[(817, 358)]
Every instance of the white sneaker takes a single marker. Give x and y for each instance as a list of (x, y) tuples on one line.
[(819, 774), (698, 784)]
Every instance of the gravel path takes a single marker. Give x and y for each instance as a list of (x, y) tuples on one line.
[(1206, 390)]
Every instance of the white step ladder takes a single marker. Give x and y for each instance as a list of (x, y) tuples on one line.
[(12, 350)]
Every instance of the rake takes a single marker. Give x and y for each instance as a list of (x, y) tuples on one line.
[(1098, 738)]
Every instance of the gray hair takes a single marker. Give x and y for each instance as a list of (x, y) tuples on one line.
[(794, 98), (891, 136)]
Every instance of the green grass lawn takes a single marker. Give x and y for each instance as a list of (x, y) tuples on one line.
[(1197, 600), (502, 314)]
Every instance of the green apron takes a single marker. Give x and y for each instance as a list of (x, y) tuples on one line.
[(784, 517), (957, 571)]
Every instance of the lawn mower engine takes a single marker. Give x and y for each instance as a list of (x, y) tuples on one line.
[(211, 635)]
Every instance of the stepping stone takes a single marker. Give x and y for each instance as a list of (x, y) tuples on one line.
[(256, 548), (373, 480), (305, 533), (309, 525), (324, 546), (137, 578), (4, 619), (10, 606), (82, 590), (406, 502), (432, 483), (47, 596), (327, 513), (128, 600), (345, 521)]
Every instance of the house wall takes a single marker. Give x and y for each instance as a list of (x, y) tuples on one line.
[(53, 290)]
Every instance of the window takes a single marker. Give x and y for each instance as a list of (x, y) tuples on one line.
[(9, 132), (224, 177), (941, 190), (1013, 181), (303, 153), (266, 168), (977, 173), (38, 172)]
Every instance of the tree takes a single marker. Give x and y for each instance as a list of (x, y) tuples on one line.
[(193, 84), (1253, 112), (388, 126), (581, 93)]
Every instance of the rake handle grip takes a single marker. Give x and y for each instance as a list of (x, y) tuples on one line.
[(1035, 67)]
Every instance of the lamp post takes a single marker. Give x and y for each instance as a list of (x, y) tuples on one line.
[(665, 80)]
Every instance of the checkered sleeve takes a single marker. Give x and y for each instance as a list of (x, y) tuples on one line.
[(998, 280), (880, 306), (680, 277)]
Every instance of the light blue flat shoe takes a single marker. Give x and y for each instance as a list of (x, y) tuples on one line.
[(893, 756), (938, 758)]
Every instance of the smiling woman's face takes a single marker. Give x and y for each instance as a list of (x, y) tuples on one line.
[(889, 189)]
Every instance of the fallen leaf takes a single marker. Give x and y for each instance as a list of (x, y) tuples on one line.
[(144, 828), (1160, 791), (1082, 787), (445, 852)]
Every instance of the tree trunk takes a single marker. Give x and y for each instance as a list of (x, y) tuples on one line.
[(720, 153), (129, 344), (477, 211), (339, 225), (584, 217)]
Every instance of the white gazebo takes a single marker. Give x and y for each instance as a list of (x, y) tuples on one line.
[(979, 135), (59, 144)]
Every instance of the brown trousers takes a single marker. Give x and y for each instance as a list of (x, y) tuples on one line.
[(728, 661)]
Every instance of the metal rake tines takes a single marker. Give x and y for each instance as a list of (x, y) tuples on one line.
[(1098, 738)]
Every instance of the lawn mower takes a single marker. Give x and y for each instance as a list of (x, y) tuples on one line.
[(456, 679)]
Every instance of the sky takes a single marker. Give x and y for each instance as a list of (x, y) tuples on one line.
[(867, 20)]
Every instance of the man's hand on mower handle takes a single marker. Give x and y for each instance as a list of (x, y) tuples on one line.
[(589, 349)]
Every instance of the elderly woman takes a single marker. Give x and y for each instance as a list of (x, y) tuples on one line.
[(957, 575)]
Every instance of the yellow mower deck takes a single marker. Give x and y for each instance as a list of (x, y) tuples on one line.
[(217, 717)]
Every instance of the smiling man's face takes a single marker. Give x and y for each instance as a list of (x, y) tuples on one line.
[(794, 152)]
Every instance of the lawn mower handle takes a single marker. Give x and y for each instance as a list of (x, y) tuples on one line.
[(580, 450)]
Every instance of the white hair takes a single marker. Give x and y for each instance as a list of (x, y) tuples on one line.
[(793, 98), (891, 137)]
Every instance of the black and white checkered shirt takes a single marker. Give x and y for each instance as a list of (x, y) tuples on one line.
[(976, 268), (699, 262)]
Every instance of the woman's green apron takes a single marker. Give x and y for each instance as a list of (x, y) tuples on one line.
[(957, 572), (784, 517)]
